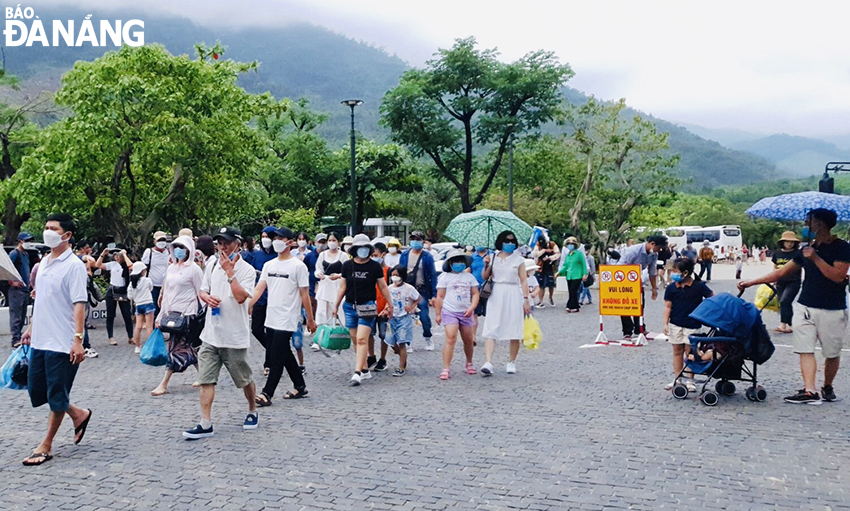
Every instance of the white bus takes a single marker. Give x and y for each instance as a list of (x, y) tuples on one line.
[(676, 235), (720, 238)]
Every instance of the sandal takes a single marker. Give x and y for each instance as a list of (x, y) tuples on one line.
[(81, 429), (263, 399), (37, 458), (445, 375), (300, 393), (470, 369)]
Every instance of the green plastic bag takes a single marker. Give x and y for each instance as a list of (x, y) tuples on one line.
[(333, 336)]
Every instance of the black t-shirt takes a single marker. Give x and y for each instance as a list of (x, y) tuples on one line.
[(781, 258), (684, 300), (360, 281), (546, 266), (818, 291)]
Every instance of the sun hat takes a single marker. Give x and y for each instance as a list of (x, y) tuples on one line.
[(185, 232), (789, 236), (394, 242), (530, 265), (455, 252), (138, 267), (361, 240), (571, 239), (159, 235)]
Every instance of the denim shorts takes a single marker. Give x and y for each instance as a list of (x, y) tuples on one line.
[(352, 320), (148, 308), (297, 339), (50, 378), (402, 331)]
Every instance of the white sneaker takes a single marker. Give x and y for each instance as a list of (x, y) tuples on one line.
[(365, 375), (355, 380), (670, 386), (487, 369), (315, 347), (137, 350), (429, 344), (91, 353), (510, 368)]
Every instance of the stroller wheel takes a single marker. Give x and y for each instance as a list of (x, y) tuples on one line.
[(761, 394), (680, 391), (728, 388), (751, 395), (709, 398)]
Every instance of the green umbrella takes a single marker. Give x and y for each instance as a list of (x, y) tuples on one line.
[(480, 228)]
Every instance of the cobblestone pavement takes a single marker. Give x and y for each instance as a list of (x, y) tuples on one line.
[(574, 429)]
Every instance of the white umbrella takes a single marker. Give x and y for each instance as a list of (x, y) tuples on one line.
[(7, 268)]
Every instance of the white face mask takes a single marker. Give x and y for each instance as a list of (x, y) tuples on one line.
[(266, 242), (396, 279), (52, 238), (279, 246), (161, 245), (302, 243), (392, 250), (333, 245)]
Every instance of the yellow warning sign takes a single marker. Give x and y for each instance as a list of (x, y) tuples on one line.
[(619, 290)]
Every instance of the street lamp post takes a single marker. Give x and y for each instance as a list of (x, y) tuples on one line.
[(511, 174), (353, 103)]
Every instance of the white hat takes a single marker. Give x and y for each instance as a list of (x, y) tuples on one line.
[(706, 243), (361, 240), (138, 267), (530, 265)]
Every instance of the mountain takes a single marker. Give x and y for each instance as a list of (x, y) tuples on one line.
[(326, 67), (724, 136), (795, 156)]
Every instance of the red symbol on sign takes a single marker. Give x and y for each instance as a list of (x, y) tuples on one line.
[(633, 276), (619, 276)]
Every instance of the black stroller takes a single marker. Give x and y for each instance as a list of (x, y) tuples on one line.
[(736, 336)]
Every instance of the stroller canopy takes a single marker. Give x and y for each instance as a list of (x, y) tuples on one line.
[(729, 314)]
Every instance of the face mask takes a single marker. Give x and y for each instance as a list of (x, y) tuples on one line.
[(379, 260), (363, 252), (396, 279), (416, 245), (232, 256), (266, 242), (458, 267), (676, 277), (427, 246), (808, 233), (571, 247), (52, 238), (180, 253), (508, 248), (161, 245), (333, 245), (302, 243), (279, 246), (392, 250)]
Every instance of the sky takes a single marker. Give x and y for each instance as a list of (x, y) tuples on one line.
[(758, 66)]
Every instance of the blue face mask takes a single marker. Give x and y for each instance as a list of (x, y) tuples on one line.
[(508, 248), (458, 267), (363, 252), (676, 277), (232, 256), (180, 253), (416, 244), (808, 234), (571, 247)]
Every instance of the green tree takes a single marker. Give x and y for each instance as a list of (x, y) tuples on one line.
[(429, 208), (466, 101), (154, 140)]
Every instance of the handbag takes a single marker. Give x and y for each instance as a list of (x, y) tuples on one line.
[(95, 294), (174, 323), (333, 336), (196, 326), (486, 288)]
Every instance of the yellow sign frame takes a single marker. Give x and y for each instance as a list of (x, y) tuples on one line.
[(620, 290)]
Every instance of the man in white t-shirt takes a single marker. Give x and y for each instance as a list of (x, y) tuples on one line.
[(287, 280), (56, 334), (226, 288), (157, 259)]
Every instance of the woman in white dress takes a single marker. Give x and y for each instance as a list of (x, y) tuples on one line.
[(508, 303), (328, 272)]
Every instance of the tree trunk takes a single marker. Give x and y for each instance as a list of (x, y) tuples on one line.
[(178, 184), (12, 222)]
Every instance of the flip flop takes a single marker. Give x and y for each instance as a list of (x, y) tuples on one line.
[(38, 458), (81, 429), (290, 395)]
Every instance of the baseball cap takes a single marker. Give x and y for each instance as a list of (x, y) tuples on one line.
[(25, 236), (284, 232), (159, 235), (228, 234)]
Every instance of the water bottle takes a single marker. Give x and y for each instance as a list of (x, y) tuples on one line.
[(216, 316)]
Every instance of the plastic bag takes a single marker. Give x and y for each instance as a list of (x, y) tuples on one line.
[(531, 333), (333, 336), (7, 370), (763, 294), (154, 352)]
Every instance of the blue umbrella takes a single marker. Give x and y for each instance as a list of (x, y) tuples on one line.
[(795, 206)]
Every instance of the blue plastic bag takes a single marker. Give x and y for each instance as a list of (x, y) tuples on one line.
[(7, 369), (154, 352)]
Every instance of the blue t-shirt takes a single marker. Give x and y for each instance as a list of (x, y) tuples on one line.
[(22, 264), (261, 257), (478, 266), (684, 300), (310, 260), (818, 291)]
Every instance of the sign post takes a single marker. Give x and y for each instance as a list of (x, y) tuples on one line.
[(620, 295)]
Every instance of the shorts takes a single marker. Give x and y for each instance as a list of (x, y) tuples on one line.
[(457, 318), (481, 309), (546, 280), (210, 360), (297, 338), (381, 325), (402, 331), (679, 334), (352, 320), (819, 325), (148, 308), (50, 378)]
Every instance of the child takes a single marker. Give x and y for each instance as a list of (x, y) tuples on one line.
[(457, 298), (405, 300), (139, 291), (534, 289), (681, 297)]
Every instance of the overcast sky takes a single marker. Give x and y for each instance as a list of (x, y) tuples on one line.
[(760, 66)]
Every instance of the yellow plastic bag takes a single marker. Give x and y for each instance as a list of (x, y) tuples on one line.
[(763, 294), (531, 333)]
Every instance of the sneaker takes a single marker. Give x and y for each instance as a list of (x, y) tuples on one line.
[(198, 432), (365, 375), (113, 342), (510, 368), (429, 344), (252, 420), (355, 380), (804, 398), (398, 372), (487, 369), (371, 360), (540, 306), (315, 346), (828, 393), (627, 337), (551, 302), (137, 350), (380, 366), (470, 369), (91, 353)]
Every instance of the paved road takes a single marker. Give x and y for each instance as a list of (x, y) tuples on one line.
[(574, 429)]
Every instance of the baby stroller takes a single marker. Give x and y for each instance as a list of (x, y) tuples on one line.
[(736, 337)]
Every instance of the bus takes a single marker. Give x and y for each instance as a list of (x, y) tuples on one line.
[(720, 238), (676, 235)]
